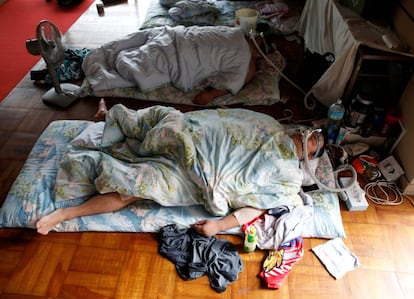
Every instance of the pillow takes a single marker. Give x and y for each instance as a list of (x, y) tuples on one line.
[(322, 168), (324, 171), (326, 222)]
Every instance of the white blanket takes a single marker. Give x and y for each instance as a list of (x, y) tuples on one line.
[(182, 56)]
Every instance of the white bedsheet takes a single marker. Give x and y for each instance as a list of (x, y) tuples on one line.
[(182, 56)]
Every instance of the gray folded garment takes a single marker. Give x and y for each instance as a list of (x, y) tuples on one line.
[(195, 255)]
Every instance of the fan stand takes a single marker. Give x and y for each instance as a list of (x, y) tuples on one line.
[(62, 94), (64, 99), (48, 44)]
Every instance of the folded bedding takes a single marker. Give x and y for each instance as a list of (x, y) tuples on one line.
[(193, 12), (223, 159), (180, 167)]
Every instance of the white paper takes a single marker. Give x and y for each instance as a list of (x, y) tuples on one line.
[(336, 257)]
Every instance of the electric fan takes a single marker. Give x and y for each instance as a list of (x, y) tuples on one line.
[(49, 45)]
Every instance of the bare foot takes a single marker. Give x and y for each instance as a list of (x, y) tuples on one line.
[(48, 222), (102, 110)]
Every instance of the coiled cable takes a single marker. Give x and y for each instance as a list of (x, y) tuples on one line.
[(385, 193)]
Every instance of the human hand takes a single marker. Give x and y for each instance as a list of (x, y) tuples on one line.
[(208, 95), (207, 227)]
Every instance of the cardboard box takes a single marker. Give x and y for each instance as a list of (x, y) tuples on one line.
[(390, 169)]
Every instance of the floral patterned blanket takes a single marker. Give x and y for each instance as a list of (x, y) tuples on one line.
[(223, 159)]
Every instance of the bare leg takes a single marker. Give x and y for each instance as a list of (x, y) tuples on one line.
[(98, 204), (102, 110)]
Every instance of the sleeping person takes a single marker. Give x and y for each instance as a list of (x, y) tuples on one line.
[(218, 57), (223, 159)]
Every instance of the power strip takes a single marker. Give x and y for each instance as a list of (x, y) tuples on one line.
[(354, 196)]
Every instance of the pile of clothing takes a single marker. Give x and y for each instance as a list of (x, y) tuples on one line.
[(191, 12), (279, 231), (195, 256)]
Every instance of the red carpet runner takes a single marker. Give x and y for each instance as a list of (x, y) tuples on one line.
[(18, 21)]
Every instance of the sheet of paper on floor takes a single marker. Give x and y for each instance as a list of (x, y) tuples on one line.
[(336, 257)]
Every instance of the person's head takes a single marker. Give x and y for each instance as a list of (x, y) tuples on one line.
[(315, 144)]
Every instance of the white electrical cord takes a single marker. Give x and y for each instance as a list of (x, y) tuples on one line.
[(385, 193), (308, 105)]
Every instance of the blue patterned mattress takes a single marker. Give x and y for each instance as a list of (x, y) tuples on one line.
[(31, 196)]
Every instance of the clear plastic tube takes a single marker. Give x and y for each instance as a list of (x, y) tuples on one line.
[(309, 103)]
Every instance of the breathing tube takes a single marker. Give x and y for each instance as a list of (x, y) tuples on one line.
[(306, 134), (310, 106)]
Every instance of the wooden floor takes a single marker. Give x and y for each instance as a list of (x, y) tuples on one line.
[(127, 265)]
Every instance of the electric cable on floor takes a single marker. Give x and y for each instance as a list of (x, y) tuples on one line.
[(385, 193)]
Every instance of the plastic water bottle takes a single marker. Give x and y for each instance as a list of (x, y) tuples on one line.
[(250, 239), (335, 115)]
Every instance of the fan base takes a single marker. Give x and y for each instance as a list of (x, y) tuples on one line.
[(62, 100)]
